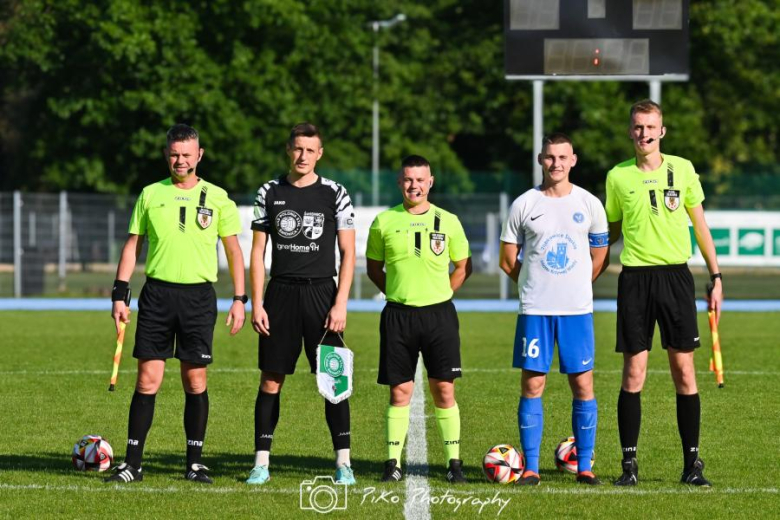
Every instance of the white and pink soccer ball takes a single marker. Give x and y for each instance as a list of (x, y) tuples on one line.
[(92, 453), (503, 464), (566, 456)]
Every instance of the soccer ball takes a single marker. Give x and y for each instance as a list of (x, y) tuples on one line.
[(503, 464), (92, 453), (566, 456)]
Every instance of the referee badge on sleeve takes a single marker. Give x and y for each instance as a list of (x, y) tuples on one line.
[(438, 242), (672, 199), (204, 217)]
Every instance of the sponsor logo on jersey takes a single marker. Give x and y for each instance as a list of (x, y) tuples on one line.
[(204, 217), (672, 199), (417, 224), (288, 223), (279, 202), (179, 197), (650, 181), (556, 260), (313, 223), (438, 243), (295, 248)]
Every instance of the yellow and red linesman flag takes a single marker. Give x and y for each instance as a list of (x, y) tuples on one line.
[(716, 359), (120, 339)]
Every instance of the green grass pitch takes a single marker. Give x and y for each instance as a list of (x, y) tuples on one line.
[(54, 379)]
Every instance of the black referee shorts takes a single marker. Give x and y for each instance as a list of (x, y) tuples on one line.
[(297, 310), (186, 312), (665, 294), (406, 331)]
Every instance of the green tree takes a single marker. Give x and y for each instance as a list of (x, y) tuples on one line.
[(89, 88)]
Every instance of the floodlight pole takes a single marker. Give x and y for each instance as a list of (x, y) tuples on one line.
[(376, 25), (538, 130), (655, 90)]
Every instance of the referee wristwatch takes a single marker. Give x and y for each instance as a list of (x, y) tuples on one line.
[(715, 277), (243, 298)]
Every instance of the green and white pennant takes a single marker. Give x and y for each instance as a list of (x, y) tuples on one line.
[(334, 372)]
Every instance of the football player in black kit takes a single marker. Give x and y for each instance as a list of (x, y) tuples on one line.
[(304, 216)]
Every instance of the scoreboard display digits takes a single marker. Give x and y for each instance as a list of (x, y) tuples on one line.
[(556, 39), (597, 56)]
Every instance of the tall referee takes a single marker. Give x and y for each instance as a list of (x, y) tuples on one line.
[(415, 242), (650, 199), (182, 217)]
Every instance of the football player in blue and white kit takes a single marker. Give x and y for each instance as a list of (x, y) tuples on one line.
[(554, 244)]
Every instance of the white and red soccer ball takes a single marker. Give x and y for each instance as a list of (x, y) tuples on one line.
[(566, 456), (92, 453), (503, 464)]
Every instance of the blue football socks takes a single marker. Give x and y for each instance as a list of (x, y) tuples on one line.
[(530, 418), (584, 419)]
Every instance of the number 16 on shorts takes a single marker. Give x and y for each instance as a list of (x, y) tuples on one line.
[(536, 337), (531, 349)]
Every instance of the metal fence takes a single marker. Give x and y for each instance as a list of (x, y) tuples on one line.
[(68, 244)]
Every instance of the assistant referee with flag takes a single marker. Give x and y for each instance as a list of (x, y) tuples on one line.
[(182, 217), (415, 242)]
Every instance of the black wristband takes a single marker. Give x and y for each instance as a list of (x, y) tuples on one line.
[(715, 276), (243, 298), (121, 292)]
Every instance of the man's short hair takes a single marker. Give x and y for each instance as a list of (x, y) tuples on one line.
[(646, 106), (414, 161), (180, 132), (304, 129), (556, 138)]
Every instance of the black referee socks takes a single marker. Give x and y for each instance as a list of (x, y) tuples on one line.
[(138, 424), (196, 416), (688, 422), (337, 416), (266, 417), (629, 419)]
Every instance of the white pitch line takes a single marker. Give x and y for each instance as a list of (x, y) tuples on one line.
[(580, 490), (133, 488), (417, 454)]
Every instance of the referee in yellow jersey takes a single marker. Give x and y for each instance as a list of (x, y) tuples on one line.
[(650, 199), (182, 217), (409, 251)]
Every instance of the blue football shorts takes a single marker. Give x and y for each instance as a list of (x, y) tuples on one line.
[(535, 338)]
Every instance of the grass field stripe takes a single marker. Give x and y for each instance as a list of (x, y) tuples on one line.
[(249, 370), (504, 490), (417, 454)]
